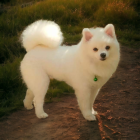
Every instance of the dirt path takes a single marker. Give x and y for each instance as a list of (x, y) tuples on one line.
[(118, 106), (118, 103), (65, 122)]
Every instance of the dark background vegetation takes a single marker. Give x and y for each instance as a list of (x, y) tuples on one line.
[(72, 16)]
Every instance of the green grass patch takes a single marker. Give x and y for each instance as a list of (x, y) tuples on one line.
[(57, 89), (72, 16), (11, 87)]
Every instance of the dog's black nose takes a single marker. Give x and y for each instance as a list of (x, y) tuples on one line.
[(103, 55)]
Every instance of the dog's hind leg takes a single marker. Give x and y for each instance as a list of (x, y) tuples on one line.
[(28, 101), (37, 81), (40, 92)]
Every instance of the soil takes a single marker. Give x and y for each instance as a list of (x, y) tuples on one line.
[(118, 107)]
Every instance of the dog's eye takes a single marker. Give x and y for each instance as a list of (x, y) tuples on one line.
[(95, 49), (107, 47)]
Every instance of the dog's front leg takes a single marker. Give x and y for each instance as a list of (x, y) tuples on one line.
[(94, 93), (83, 97)]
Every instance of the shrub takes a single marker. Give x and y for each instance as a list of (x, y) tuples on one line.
[(116, 12)]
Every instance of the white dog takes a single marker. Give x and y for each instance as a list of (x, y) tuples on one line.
[(86, 66)]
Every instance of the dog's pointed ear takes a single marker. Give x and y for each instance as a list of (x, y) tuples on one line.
[(87, 34), (110, 30)]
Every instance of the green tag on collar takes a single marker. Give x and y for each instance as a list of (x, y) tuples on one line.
[(95, 79)]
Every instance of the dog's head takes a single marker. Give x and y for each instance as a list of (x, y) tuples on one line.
[(100, 44)]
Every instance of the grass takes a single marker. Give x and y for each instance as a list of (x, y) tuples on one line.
[(11, 86), (72, 16), (16, 2)]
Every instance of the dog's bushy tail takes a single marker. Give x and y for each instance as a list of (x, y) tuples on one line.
[(42, 32)]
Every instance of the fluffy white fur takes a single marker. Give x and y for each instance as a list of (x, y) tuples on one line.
[(43, 32), (76, 65)]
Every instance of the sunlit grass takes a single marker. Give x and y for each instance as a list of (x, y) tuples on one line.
[(117, 12)]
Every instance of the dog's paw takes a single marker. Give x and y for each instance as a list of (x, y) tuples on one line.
[(94, 112), (28, 106), (90, 118), (42, 115)]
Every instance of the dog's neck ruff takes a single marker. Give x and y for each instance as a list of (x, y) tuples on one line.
[(95, 79)]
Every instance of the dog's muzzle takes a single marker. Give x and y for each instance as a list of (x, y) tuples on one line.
[(103, 56)]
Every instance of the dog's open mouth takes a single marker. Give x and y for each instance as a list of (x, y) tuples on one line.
[(102, 59)]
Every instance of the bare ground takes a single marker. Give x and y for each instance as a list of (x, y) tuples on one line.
[(118, 106)]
